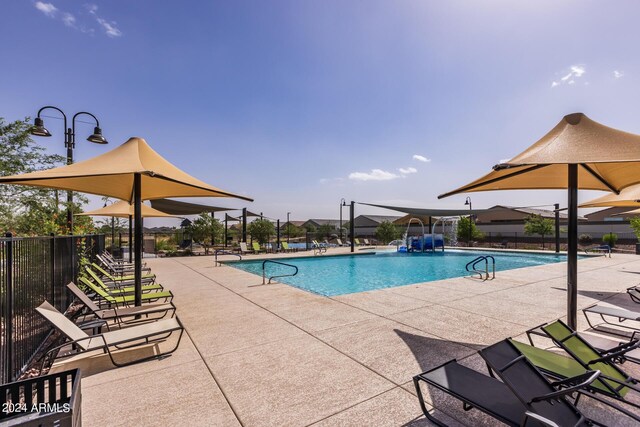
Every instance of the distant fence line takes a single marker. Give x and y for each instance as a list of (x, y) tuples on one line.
[(34, 269)]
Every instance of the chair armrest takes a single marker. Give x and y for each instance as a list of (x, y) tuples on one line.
[(613, 354), (572, 384)]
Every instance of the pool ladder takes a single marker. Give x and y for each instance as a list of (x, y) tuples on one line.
[(264, 275), (471, 266)]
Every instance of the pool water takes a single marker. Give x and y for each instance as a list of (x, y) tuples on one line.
[(346, 274)]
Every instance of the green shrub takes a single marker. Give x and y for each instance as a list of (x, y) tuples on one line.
[(585, 239), (610, 239)]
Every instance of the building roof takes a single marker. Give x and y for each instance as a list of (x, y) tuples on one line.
[(331, 222), (379, 218)]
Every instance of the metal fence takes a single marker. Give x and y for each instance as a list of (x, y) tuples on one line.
[(34, 269)]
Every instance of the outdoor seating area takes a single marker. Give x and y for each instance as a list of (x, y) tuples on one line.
[(362, 351)]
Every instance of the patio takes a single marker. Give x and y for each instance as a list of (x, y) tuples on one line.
[(279, 356)]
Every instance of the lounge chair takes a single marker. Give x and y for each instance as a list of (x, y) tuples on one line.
[(134, 336), (285, 247), (244, 249), (612, 382), (620, 314), (256, 248), (339, 242), (510, 402), (111, 300), (147, 279), (117, 288), (357, 242), (124, 315), (119, 269), (366, 242), (318, 248)]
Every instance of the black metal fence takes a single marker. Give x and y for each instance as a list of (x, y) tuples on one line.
[(34, 269)]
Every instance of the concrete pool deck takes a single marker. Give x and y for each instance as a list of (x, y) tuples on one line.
[(278, 356)]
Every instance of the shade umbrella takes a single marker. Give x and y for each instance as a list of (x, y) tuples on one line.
[(124, 209), (132, 172), (629, 197), (577, 153)]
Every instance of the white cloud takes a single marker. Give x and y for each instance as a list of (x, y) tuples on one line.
[(110, 28), (91, 8), (574, 73), (407, 171), (374, 175), (69, 20), (46, 8), (420, 158), (617, 74)]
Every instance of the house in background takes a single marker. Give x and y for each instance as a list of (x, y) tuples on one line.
[(365, 225), (317, 223)]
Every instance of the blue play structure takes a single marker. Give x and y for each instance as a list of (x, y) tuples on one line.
[(428, 242)]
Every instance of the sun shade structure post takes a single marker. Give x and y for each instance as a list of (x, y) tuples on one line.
[(572, 250), (130, 237), (137, 213), (557, 214), (577, 153), (352, 226), (244, 225), (278, 234)]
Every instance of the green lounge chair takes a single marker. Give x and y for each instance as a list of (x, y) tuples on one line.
[(513, 402), (125, 300), (285, 247), (146, 278), (118, 289), (561, 367), (256, 248), (134, 336), (124, 315)]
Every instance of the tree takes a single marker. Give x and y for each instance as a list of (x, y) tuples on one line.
[(261, 230), (465, 224), (205, 230), (28, 210), (635, 226), (387, 232), (536, 224), (324, 231), (292, 230)]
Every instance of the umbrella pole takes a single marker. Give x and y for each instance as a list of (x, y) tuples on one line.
[(137, 213), (572, 252)]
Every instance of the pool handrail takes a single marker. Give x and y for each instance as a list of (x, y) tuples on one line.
[(478, 260), (223, 252), (273, 277)]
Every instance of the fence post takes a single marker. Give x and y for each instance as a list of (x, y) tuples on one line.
[(52, 255), (516, 244), (9, 311)]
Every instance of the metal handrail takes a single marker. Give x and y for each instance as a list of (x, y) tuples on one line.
[(478, 260), (273, 277), (223, 252)]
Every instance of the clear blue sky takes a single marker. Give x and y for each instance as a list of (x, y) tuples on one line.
[(301, 103)]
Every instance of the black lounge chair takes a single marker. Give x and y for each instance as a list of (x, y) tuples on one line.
[(524, 398)]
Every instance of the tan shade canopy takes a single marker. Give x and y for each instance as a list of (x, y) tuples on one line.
[(112, 174), (123, 209), (608, 159), (630, 196)]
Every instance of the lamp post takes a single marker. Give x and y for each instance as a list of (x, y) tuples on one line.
[(96, 137), (468, 202), (343, 202), (288, 226)]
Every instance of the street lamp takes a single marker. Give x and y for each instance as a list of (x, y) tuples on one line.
[(343, 202), (96, 137), (468, 202), (288, 226)]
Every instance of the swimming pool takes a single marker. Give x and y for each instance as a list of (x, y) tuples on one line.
[(346, 274)]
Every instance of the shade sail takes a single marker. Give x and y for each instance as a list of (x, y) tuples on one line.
[(608, 159), (183, 208), (576, 153), (426, 212), (630, 197), (228, 217), (123, 209), (112, 174)]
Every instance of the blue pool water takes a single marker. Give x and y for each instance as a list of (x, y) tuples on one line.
[(338, 275)]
